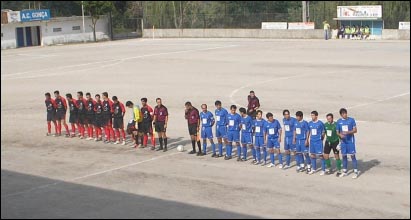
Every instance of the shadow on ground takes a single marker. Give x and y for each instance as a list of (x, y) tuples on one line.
[(68, 200)]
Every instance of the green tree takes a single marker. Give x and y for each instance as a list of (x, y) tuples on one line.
[(96, 9)]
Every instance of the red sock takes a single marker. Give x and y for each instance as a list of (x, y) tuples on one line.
[(59, 128), (90, 131), (73, 128), (124, 134), (98, 132), (117, 134), (145, 140), (108, 134), (153, 140), (49, 127), (67, 130)]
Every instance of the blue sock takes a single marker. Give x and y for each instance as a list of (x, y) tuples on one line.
[(220, 149), (280, 157), (254, 153), (227, 150), (245, 152), (265, 154), (297, 159), (231, 150), (288, 159), (307, 158), (258, 152), (238, 151), (301, 157), (213, 147), (272, 158), (314, 163), (323, 164), (354, 162), (345, 162), (204, 146)]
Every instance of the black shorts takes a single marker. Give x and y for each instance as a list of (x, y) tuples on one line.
[(60, 115), (82, 119), (328, 147), (145, 127), (51, 116), (118, 123), (99, 121), (160, 126), (73, 118), (107, 120), (192, 129), (90, 119)]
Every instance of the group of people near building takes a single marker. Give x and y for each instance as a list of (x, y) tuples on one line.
[(353, 32)]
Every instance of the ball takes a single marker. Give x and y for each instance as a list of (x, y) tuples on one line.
[(180, 148)]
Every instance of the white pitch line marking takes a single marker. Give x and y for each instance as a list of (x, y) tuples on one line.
[(117, 60)]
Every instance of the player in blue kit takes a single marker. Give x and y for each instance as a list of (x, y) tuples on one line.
[(289, 147), (300, 140), (207, 122), (221, 127), (246, 134), (273, 134), (346, 128), (259, 124), (316, 136), (233, 134)]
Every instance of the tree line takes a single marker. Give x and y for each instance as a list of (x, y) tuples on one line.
[(216, 14)]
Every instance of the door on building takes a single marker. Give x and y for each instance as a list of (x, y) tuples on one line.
[(28, 36), (20, 37)]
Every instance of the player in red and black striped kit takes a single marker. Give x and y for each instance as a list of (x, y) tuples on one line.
[(81, 103), (146, 125), (73, 119), (118, 119), (107, 117), (99, 118), (61, 113), (90, 115), (51, 113)]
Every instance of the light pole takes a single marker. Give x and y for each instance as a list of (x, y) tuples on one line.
[(84, 27)]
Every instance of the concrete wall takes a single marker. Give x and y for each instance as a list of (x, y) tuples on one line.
[(67, 34), (387, 34), (234, 33), (394, 34)]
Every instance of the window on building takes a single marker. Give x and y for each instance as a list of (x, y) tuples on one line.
[(56, 29), (76, 28)]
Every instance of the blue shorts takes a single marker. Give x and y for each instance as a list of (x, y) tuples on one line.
[(273, 143), (221, 131), (300, 146), (233, 136), (206, 132), (258, 141), (246, 138), (316, 147), (288, 144), (347, 148)]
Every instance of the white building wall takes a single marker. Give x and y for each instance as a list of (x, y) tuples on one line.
[(66, 35)]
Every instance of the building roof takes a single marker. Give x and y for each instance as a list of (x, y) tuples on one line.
[(357, 19)]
